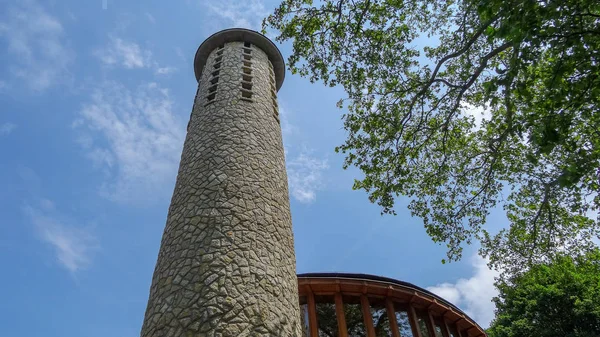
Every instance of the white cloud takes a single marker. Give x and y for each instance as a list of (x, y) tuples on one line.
[(305, 176), (6, 129), (305, 171), (102, 158), (164, 70), (181, 55), (287, 128), (243, 14), (35, 40), (473, 295), (130, 55), (150, 18), (124, 53), (136, 137), (30, 181), (73, 245)]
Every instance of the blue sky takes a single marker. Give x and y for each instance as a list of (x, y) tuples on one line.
[(95, 96)]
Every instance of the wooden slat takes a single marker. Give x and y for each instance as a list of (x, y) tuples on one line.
[(467, 331), (391, 311), (341, 318), (430, 324), (366, 311), (414, 324), (312, 315), (445, 328)]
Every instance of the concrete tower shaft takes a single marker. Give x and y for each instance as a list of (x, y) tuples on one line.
[(226, 265)]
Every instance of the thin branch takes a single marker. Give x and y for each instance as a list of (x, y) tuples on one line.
[(457, 53), (360, 19)]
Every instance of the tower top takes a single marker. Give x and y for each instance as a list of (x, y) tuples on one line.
[(241, 35)]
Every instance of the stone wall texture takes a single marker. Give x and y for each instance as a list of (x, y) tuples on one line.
[(226, 265)]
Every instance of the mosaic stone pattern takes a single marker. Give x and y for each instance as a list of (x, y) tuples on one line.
[(226, 265)]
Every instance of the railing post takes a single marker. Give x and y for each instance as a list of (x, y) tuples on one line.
[(312, 315), (341, 317), (368, 319), (414, 324), (391, 311)]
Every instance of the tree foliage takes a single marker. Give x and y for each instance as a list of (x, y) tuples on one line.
[(413, 70), (554, 300), (353, 315)]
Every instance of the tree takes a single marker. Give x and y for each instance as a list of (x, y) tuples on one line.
[(554, 300), (353, 316), (413, 70)]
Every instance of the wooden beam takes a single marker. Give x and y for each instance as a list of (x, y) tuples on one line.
[(430, 324), (445, 328), (462, 318), (478, 331), (368, 319), (414, 324), (391, 312), (312, 315), (341, 318)]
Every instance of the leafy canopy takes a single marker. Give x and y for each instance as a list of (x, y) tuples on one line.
[(353, 315), (413, 70), (554, 300)]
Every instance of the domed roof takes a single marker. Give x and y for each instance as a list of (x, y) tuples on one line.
[(242, 35), (372, 285)]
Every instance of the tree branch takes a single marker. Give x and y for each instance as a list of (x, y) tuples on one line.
[(457, 53)]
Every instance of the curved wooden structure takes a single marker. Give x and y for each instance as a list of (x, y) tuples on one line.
[(356, 305)]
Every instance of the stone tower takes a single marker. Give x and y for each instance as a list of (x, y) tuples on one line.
[(226, 265)]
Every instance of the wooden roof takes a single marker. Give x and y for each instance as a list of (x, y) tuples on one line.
[(386, 288)]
